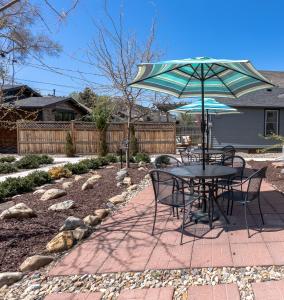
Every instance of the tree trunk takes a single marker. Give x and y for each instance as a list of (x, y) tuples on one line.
[(127, 156)]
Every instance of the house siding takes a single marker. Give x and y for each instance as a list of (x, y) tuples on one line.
[(242, 130)]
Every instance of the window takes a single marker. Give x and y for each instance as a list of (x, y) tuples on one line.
[(64, 115), (271, 122)]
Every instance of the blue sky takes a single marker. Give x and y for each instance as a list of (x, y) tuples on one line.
[(251, 29)]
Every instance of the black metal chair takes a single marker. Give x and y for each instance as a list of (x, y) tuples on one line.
[(174, 192), (189, 158), (166, 161), (228, 151), (229, 147), (238, 194)]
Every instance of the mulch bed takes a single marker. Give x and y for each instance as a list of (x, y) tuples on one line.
[(273, 174), (22, 238)]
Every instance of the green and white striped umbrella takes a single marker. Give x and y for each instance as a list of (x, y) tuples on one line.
[(183, 78), (199, 76)]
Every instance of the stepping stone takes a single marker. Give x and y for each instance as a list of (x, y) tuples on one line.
[(272, 290), (217, 292), (147, 294), (74, 296)]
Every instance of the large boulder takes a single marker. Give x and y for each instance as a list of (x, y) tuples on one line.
[(8, 278), (121, 174), (72, 223), (78, 177), (6, 205), (87, 186), (35, 262), (101, 213), (92, 220), (67, 185), (278, 164), (62, 205), (61, 242), (53, 194), (132, 187), (18, 211), (118, 198), (40, 191)]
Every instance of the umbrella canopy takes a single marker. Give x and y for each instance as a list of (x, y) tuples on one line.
[(199, 76), (211, 106)]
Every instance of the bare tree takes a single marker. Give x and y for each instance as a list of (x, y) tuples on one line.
[(115, 54)]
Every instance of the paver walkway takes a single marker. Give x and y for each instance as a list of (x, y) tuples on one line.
[(75, 296), (270, 290), (125, 243)]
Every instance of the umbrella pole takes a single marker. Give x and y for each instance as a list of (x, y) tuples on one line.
[(207, 130), (203, 118)]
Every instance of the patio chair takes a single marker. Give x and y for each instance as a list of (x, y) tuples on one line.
[(189, 158), (246, 195), (228, 147), (174, 192), (166, 161), (227, 152)]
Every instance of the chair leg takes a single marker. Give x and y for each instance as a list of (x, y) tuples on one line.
[(155, 216), (177, 213), (260, 210), (210, 214), (245, 208), (232, 202), (182, 227), (173, 210)]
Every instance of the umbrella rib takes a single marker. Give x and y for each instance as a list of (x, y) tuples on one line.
[(224, 83), (251, 76), (191, 75), (194, 71), (218, 73)]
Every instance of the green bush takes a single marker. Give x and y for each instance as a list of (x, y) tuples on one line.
[(91, 163), (6, 168), (69, 146), (39, 178), (8, 159), (33, 161), (144, 157), (131, 159), (102, 161), (77, 168), (111, 158)]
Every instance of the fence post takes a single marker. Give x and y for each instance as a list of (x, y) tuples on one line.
[(18, 143)]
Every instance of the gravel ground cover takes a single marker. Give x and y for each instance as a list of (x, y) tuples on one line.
[(273, 175), (22, 238)]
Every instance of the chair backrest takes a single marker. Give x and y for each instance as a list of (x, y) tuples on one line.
[(254, 184), (228, 147), (166, 161), (166, 184), (236, 162), (189, 158), (227, 156)]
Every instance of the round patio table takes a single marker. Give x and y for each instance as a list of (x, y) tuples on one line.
[(211, 172)]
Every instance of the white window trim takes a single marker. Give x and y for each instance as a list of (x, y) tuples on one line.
[(265, 120)]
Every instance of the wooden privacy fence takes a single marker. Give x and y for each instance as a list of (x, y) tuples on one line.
[(50, 137)]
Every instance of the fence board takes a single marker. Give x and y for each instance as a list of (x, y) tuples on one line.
[(50, 137)]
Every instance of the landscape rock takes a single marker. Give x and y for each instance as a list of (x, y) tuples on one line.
[(142, 164), (87, 186), (67, 184), (62, 241), (72, 223), (6, 205), (101, 213), (118, 198), (121, 174), (110, 167), (40, 191), (278, 164), (142, 169), (94, 178), (59, 180), (127, 181), (147, 176), (8, 278), (282, 171), (78, 177), (18, 211), (80, 233), (35, 262), (92, 220), (132, 187), (62, 205), (53, 194)]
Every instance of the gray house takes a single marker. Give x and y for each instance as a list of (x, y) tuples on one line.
[(261, 114)]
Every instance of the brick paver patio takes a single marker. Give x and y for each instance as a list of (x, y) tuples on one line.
[(272, 290), (124, 242), (74, 296)]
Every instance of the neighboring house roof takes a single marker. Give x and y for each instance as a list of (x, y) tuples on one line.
[(7, 88), (41, 102), (276, 77), (267, 98)]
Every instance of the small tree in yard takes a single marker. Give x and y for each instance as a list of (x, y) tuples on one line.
[(133, 143), (69, 146), (115, 55), (101, 116), (279, 142)]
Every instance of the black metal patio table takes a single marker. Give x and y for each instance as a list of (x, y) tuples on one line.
[(211, 173)]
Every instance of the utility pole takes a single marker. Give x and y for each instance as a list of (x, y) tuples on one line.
[(53, 92)]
